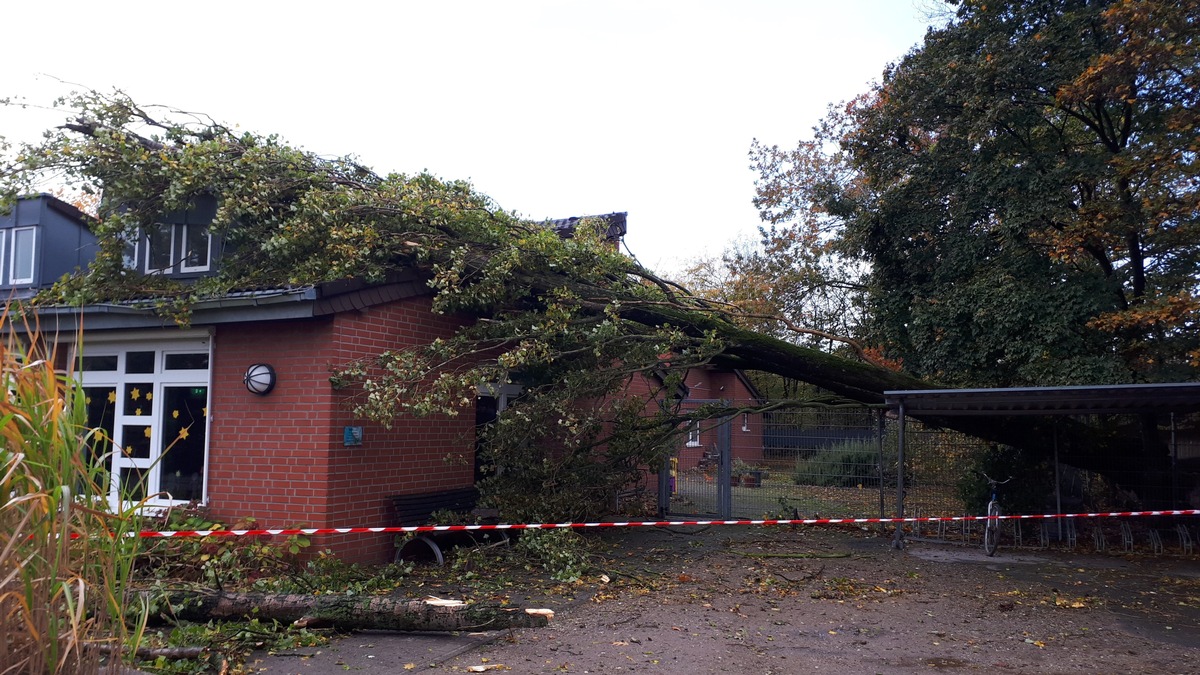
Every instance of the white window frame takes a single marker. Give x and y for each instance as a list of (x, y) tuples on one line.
[(3, 242), (693, 438), (183, 266), (197, 342), (12, 256)]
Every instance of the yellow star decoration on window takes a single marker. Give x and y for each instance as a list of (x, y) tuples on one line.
[(137, 411), (87, 400), (112, 396), (135, 393), (147, 432), (149, 395), (183, 433), (204, 412), (128, 450), (175, 414)]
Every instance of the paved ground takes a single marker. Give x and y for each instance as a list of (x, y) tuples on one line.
[(750, 600)]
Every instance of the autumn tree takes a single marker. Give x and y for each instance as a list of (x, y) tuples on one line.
[(1023, 186)]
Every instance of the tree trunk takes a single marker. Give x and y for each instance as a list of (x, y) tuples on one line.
[(353, 612)]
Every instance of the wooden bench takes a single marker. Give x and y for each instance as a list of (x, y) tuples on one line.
[(417, 509)]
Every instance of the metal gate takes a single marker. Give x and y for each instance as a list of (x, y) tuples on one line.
[(800, 463)]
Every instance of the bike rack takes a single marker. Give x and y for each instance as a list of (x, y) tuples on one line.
[(1185, 538), (1126, 535), (1156, 542)]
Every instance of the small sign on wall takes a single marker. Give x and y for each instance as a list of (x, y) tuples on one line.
[(352, 436)]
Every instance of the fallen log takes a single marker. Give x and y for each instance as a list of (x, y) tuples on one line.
[(351, 612)]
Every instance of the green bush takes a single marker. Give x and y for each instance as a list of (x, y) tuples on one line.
[(847, 464)]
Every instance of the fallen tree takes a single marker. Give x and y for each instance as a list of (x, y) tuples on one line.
[(349, 612), (568, 317)]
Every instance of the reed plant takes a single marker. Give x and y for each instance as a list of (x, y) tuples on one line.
[(66, 557)]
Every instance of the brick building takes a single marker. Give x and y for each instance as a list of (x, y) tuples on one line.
[(178, 403)]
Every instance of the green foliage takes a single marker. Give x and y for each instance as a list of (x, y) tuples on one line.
[(562, 553), (226, 644), (327, 574), (1031, 484), (847, 464), (217, 561), (571, 319), (1023, 187)]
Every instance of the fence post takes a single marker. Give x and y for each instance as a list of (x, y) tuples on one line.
[(725, 470), (898, 542), (664, 487), (879, 438)]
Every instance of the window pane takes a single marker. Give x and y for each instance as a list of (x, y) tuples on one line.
[(98, 363), (139, 399), (132, 484), (101, 405), (161, 242), (135, 441), (129, 255), (184, 432), (195, 251), (22, 258), (139, 362), (185, 362)]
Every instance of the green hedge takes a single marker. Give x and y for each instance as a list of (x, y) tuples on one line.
[(847, 464)]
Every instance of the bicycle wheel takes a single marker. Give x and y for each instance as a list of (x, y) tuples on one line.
[(991, 531)]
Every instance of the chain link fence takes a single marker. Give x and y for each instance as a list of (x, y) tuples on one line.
[(842, 463)]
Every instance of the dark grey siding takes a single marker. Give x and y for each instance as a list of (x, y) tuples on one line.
[(62, 243)]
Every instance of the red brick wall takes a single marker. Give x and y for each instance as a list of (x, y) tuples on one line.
[(268, 455), (416, 455), (280, 458)]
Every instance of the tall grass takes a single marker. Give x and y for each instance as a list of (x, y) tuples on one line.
[(65, 563)]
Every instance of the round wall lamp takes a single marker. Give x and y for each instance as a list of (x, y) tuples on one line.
[(259, 379)]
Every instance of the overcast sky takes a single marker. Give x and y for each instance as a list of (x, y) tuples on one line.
[(553, 108)]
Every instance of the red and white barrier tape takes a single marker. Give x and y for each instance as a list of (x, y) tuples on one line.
[(640, 523)]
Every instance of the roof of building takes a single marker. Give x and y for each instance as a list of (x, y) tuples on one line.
[(616, 226), (1078, 400)]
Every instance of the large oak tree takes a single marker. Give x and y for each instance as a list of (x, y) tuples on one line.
[(1023, 186)]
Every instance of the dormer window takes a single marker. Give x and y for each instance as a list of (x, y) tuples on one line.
[(177, 248), (20, 266), (160, 244), (196, 244)]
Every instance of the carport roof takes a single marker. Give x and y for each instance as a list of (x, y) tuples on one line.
[(1112, 399)]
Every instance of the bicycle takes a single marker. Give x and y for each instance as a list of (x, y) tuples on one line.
[(991, 529)]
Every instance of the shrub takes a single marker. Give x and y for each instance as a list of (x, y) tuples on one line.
[(847, 464)]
